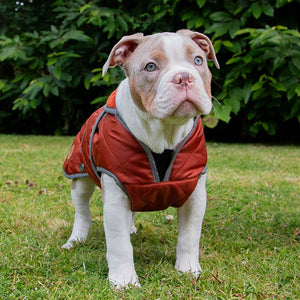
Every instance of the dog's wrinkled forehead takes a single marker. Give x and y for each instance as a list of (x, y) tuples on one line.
[(166, 48)]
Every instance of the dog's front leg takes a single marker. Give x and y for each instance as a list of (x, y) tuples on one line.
[(118, 219), (81, 192), (190, 217)]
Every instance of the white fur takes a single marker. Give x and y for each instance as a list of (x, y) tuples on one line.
[(157, 134)]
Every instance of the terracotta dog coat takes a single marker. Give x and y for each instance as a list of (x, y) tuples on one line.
[(105, 145)]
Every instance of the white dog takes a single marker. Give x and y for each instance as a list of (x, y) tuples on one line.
[(145, 148)]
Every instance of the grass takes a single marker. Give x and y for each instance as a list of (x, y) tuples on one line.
[(250, 240)]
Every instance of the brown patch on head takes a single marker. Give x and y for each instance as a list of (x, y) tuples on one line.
[(158, 55), (207, 84), (189, 51), (143, 94), (135, 95), (143, 83)]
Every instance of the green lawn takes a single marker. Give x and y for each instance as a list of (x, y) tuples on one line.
[(249, 246)]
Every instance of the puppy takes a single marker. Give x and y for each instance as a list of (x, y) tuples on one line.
[(145, 148)]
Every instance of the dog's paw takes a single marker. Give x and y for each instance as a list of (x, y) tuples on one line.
[(188, 265), (72, 241), (124, 280), (69, 244), (133, 230)]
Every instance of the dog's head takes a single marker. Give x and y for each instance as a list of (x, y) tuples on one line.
[(168, 72)]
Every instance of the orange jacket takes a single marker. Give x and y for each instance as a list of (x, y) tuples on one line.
[(105, 145)]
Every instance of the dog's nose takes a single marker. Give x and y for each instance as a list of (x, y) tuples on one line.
[(183, 79)]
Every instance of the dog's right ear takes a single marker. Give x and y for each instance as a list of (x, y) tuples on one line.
[(122, 51), (203, 42)]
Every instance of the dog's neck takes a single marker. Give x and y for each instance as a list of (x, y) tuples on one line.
[(158, 135)]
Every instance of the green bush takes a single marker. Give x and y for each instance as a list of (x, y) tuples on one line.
[(51, 55)]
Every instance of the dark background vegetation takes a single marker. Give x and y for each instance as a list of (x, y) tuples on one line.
[(52, 52)]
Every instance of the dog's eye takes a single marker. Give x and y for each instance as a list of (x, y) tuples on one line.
[(198, 61), (150, 67)]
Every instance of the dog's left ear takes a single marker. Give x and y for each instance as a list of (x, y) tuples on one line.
[(122, 51), (203, 42)]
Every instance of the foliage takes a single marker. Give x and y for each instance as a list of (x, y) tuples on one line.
[(249, 247), (276, 52), (51, 71)]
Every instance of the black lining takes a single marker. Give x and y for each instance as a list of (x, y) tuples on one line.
[(162, 162)]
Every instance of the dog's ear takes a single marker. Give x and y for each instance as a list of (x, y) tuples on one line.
[(122, 51), (203, 42)]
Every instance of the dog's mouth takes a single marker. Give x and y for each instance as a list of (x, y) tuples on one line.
[(186, 109)]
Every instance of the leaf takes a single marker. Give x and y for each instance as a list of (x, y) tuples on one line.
[(187, 16), (279, 87), (200, 3), (234, 60), (247, 92), (296, 109), (5, 87), (55, 43), (268, 10), (234, 27), (234, 47), (257, 86), (255, 128), (199, 22), (235, 98), (8, 52), (280, 3), (297, 90), (256, 10), (219, 29), (54, 90), (19, 103), (56, 71), (210, 121), (96, 77), (99, 100), (122, 23), (84, 8), (227, 44), (222, 112), (294, 68), (220, 16), (87, 82), (66, 77), (269, 127), (46, 89), (77, 35), (54, 29), (52, 61), (33, 89), (110, 27), (160, 14), (246, 30)]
